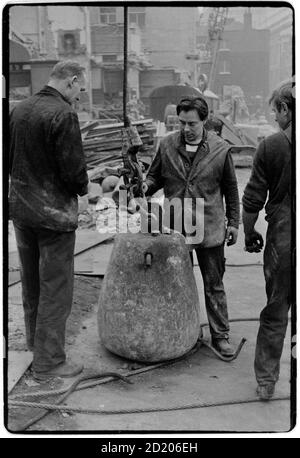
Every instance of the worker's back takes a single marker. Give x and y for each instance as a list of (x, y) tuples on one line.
[(47, 166)]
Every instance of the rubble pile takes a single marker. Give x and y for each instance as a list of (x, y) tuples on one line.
[(104, 217), (102, 144)]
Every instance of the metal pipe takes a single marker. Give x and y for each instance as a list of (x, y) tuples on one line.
[(125, 53), (88, 53)]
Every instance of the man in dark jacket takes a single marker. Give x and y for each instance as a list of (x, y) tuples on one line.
[(194, 166), (48, 171), (271, 176)]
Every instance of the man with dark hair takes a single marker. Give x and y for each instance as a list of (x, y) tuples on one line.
[(48, 171), (195, 164), (271, 177)]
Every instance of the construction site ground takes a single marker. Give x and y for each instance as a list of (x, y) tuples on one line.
[(196, 379)]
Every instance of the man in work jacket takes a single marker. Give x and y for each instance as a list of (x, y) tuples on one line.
[(271, 175), (195, 165), (48, 171)]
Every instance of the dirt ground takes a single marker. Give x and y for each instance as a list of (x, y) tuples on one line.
[(196, 379)]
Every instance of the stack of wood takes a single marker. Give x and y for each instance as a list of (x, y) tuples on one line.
[(102, 144)]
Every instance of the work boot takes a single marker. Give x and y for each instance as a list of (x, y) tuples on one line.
[(265, 392), (223, 346), (66, 369)]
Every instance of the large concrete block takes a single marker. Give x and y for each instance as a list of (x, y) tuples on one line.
[(149, 312)]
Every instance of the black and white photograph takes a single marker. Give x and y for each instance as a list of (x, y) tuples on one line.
[(149, 220)]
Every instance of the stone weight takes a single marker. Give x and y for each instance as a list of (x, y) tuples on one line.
[(149, 305)]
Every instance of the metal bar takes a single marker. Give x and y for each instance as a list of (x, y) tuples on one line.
[(125, 54)]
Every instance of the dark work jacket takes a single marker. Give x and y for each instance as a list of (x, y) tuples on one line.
[(271, 173), (210, 176), (46, 162)]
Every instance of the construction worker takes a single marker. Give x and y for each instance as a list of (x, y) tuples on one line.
[(191, 164), (170, 116), (271, 178), (48, 171), (213, 123)]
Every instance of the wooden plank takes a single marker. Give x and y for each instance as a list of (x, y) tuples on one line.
[(13, 259), (18, 363), (85, 238), (13, 265), (83, 263), (101, 257), (90, 125), (13, 277), (121, 124), (95, 261)]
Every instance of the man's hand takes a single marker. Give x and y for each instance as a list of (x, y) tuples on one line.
[(254, 242), (231, 235)]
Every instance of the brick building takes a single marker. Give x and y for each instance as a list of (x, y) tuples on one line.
[(32, 52)]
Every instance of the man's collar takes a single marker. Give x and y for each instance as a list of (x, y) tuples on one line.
[(202, 141), (288, 132), (52, 90)]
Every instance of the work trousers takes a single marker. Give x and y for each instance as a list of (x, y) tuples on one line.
[(274, 317), (47, 275), (212, 266)]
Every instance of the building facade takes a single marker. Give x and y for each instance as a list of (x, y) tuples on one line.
[(154, 61), (238, 57), (32, 51), (160, 43), (248, 60), (279, 21)]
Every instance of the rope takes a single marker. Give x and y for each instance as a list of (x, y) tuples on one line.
[(111, 376), (86, 385), (142, 410), (77, 382), (41, 415), (256, 264), (219, 355), (110, 379), (127, 374)]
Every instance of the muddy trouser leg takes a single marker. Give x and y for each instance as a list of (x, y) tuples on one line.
[(56, 271), (212, 265), (274, 317), (28, 250)]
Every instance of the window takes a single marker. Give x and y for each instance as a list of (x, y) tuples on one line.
[(15, 67), (94, 15), (137, 15), (109, 58), (224, 68), (69, 42), (108, 15), (103, 15)]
